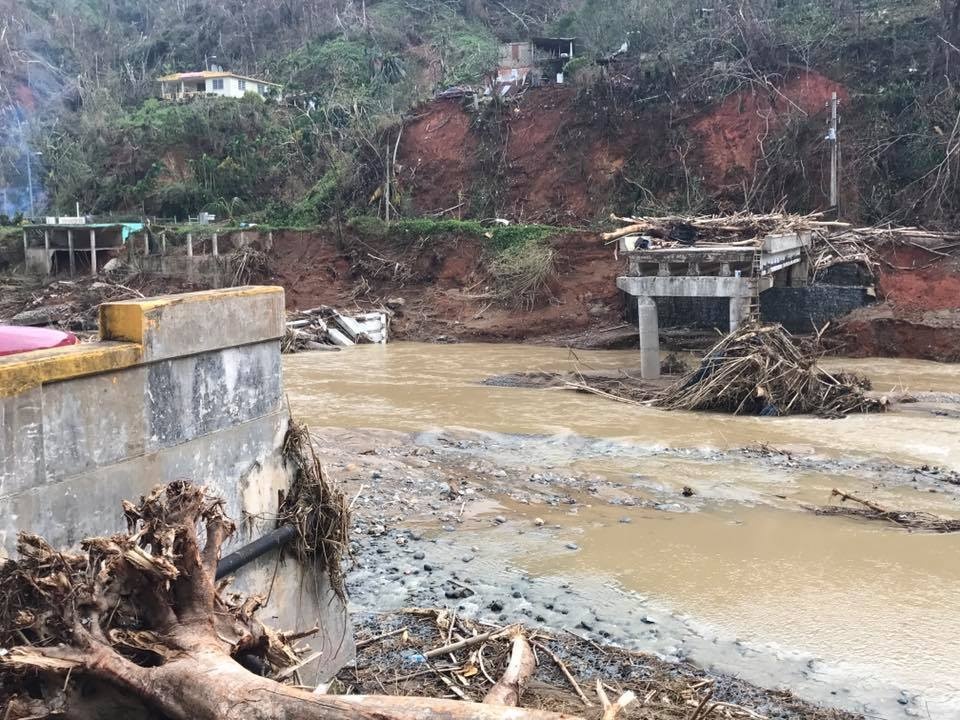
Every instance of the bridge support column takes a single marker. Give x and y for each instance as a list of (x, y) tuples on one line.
[(739, 311), (649, 338)]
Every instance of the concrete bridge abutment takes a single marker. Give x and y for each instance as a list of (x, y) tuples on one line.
[(178, 387)]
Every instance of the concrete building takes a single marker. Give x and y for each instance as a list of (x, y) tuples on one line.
[(535, 60), (182, 386), (739, 272), (74, 246), (180, 86)]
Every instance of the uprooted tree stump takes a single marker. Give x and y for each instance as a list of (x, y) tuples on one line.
[(135, 625)]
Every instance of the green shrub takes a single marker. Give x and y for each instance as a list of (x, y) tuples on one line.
[(368, 226), (505, 237)]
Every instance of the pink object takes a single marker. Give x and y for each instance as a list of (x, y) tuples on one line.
[(16, 339)]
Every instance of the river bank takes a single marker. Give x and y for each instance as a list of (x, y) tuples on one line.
[(438, 287), (681, 535)]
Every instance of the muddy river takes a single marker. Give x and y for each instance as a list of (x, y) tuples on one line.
[(858, 614)]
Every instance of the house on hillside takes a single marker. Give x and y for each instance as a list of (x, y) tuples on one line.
[(537, 60), (212, 82)]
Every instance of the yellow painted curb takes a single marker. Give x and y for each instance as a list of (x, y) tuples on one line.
[(24, 371)]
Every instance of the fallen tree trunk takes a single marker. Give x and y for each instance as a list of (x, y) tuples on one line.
[(139, 617)]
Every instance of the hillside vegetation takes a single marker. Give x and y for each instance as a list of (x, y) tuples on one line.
[(78, 78)]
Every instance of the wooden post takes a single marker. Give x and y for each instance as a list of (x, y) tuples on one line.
[(270, 240), (189, 244), (73, 260), (163, 242), (25, 245), (213, 245), (93, 253), (46, 250)]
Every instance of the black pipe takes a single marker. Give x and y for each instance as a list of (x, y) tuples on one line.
[(260, 546)]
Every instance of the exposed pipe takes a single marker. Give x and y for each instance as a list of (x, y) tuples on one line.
[(260, 546)]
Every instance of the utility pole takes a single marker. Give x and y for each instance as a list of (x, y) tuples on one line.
[(834, 156), (30, 181), (386, 187)]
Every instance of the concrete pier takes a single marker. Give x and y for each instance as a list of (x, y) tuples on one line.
[(649, 338), (739, 312)]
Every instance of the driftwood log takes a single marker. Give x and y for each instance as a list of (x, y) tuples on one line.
[(509, 688), (136, 626)]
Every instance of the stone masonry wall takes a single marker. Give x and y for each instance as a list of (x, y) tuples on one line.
[(805, 309)]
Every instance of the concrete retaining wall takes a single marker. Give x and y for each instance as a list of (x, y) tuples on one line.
[(213, 270), (805, 309), (185, 386)]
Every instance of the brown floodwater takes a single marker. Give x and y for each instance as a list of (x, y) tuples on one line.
[(868, 600)]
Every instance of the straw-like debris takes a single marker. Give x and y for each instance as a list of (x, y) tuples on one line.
[(868, 510), (763, 370), (315, 507), (248, 265)]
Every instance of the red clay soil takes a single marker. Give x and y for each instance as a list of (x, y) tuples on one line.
[(560, 160), (561, 153), (436, 158), (732, 135), (919, 312), (915, 279), (883, 331), (563, 158), (446, 292)]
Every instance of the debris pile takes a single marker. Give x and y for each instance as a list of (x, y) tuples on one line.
[(315, 507), (115, 600), (743, 229), (862, 245), (72, 304), (135, 625), (323, 328), (907, 519), (249, 265), (430, 652), (763, 370)]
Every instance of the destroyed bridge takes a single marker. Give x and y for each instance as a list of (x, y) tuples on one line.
[(736, 269)]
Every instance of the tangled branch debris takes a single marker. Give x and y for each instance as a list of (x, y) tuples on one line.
[(763, 370), (834, 239), (868, 510), (737, 229), (249, 266)]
